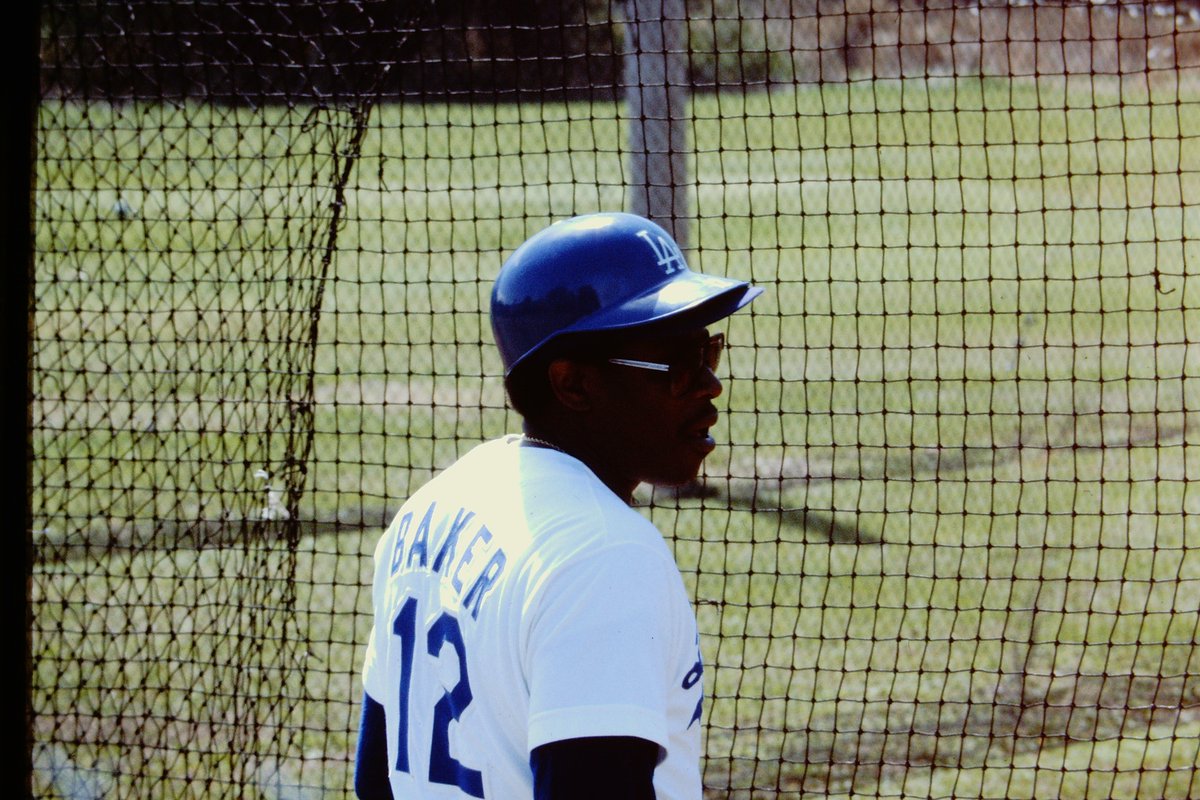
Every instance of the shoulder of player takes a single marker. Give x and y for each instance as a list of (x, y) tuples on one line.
[(622, 559), (619, 585), (586, 514)]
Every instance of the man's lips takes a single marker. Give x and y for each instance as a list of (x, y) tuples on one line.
[(699, 428)]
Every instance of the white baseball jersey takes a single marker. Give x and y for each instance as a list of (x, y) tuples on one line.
[(518, 602)]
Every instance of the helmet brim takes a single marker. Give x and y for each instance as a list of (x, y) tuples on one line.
[(690, 300)]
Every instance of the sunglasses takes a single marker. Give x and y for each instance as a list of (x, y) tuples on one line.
[(685, 366)]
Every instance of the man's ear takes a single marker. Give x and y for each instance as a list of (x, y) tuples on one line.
[(572, 383)]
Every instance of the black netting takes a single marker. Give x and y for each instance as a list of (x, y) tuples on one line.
[(950, 545)]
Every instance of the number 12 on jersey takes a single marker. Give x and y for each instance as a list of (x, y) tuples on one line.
[(443, 767)]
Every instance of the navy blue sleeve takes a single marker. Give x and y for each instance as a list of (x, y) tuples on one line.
[(594, 768), (370, 766)]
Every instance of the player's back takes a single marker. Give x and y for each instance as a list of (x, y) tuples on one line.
[(482, 580)]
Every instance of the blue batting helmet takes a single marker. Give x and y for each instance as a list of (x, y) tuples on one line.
[(601, 272)]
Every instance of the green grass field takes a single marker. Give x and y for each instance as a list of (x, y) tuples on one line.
[(952, 546)]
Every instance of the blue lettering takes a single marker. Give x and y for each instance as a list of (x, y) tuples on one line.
[(696, 713), (484, 583), (468, 554), (420, 544), (691, 679), (459, 565), (398, 549), (445, 553)]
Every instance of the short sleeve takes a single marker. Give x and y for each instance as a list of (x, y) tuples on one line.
[(601, 645)]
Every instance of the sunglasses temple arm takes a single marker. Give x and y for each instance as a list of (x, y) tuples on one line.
[(629, 362)]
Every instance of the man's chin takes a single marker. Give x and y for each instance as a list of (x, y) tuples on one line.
[(676, 478)]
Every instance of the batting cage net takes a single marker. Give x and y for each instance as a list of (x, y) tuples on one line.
[(949, 545)]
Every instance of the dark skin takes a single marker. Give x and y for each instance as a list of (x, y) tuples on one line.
[(625, 423), (594, 768)]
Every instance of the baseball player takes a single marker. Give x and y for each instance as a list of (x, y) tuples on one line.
[(532, 635)]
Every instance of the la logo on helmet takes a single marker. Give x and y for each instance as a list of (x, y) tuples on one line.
[(669, 256)]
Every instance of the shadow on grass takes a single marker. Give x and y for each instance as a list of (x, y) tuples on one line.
[(863, 746), (750, 495)]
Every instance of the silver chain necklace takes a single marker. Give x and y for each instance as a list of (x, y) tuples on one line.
[(542, 443)]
